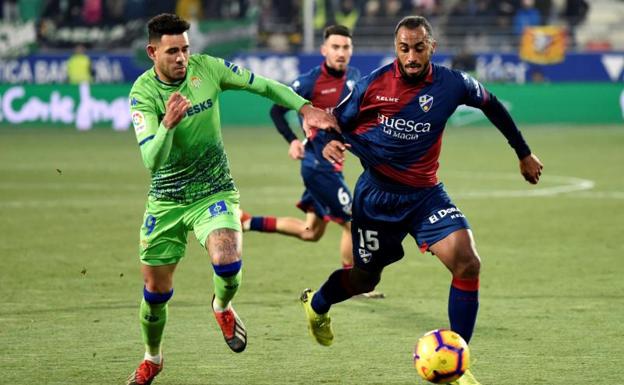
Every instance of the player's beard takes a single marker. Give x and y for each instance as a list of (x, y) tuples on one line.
[(414, 77), (178, 73), (340, 65), (170, 74)]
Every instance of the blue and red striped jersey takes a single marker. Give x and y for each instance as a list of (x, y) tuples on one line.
[(324, 90), (395, 127)]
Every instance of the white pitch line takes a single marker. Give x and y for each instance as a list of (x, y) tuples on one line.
[(569, 187), (565, 185), (600, 194)]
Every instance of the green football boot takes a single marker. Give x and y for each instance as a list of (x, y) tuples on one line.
[(319, 325)]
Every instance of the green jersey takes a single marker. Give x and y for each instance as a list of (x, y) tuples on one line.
[(189, 162)]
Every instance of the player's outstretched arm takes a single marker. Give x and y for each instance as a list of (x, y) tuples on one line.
[(531, 168), (530, 165), (317, 118)]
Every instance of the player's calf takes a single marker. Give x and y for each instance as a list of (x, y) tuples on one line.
[(311, 235), (226, 280)]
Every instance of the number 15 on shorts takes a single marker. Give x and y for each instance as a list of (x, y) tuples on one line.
[(368, 239), (369, 242)]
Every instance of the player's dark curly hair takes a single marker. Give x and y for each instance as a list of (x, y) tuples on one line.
[(413, 22), (336, 30), (165, 24)]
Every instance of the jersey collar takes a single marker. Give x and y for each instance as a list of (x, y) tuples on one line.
[(177, 84)]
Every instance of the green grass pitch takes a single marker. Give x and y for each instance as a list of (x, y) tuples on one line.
[(552, 297)]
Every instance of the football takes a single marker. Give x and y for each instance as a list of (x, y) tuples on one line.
[(441, 356)]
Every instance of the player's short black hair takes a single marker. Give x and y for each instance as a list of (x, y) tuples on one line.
[(165, 24), (336, 30), (413, 22)]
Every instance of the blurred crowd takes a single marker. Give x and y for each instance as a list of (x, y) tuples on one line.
[(480, 21), (353, 12), (477, 23), (107, 12), (459, 21)]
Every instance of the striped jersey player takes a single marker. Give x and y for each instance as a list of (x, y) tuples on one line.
[(393, 121), (326, 196)]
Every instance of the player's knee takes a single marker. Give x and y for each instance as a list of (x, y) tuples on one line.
[(469, 266), (225, 255), (156, 297)]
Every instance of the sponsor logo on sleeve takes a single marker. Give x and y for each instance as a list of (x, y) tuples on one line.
[(233, 67), (473, 82), (138, 121)]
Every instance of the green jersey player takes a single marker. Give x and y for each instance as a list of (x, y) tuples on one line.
[(175, 114)]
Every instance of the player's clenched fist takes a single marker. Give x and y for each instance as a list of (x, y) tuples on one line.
[(334, 151), (175, 110)]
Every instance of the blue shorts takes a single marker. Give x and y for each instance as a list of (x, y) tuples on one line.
[(326, 195), (383, 215)]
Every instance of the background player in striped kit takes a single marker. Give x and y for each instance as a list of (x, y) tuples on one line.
[(393, 121), (326, 196)]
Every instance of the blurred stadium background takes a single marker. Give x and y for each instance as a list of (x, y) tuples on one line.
[(72, 189), (519, 45)]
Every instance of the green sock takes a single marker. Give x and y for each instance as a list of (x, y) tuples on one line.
[(225, 288), (153, 318)]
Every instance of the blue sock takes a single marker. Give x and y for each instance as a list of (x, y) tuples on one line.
[(335, 289), (463, 306)]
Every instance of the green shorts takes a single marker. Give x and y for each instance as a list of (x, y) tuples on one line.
[(166, 225)]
